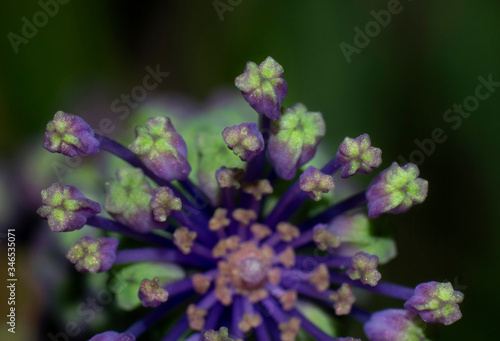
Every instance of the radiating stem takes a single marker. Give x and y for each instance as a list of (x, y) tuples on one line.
[(294, 197), (334, 211), (113, 226), (237, 316), (382, 288), (177, 330), (359, 314), (159, 255), (213, 318)]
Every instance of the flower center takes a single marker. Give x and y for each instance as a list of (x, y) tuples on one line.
[(252, 272)]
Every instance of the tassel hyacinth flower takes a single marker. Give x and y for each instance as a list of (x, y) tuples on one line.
[(248, 254)]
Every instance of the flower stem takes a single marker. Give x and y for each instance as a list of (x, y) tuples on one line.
[(113, 226), (334, 211), (330, 261), (382, 288), (201, 228), (213, 318), (159, 255), (294, 197), (359, 314), (237, 316), (177, 330)]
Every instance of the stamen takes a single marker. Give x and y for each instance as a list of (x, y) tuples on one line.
[(287, 231), (343, 299), (196, 317), (324, 239), (219, 220), (290, 329), (364, 268), (249, 321), (201, 283), (274, 276), (319, 278), (260, 231), (184, 239), (151, 294), (287, 257), (258, 188), (223, 246), (244, 216)]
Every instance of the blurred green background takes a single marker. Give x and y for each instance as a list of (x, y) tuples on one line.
[(397, 89)]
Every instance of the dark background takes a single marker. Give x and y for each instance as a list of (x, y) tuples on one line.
[(396, 89)]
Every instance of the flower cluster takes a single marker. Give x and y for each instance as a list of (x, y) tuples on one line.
[(247, 250)]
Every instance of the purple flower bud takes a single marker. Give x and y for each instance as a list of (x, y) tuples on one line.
[(70, 135), (436, 302), (151, 293), (162, 149), (244, 140), (394, 325), (263, 87), (314, 183), (364, 268), (93, 255), (128, 200), (358, 156), (163, 202), (294, 139), (65, 208), (113, 336), (396, 190)]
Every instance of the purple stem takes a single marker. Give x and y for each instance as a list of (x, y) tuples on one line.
[(147, 321), (330, 261), (261, 330), (382, 288), (255, 167), (311, 328), (227, 199), (196, 194), (331, 167), (274, 310), (186, 284), (283, 210), (237, 316), (208, 301), (213, 318), (334, 211), (177, 330), (294, 197), (159, 255), (204, 234), (202, 251), (308, 290), (111, 225), (359, 314)]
